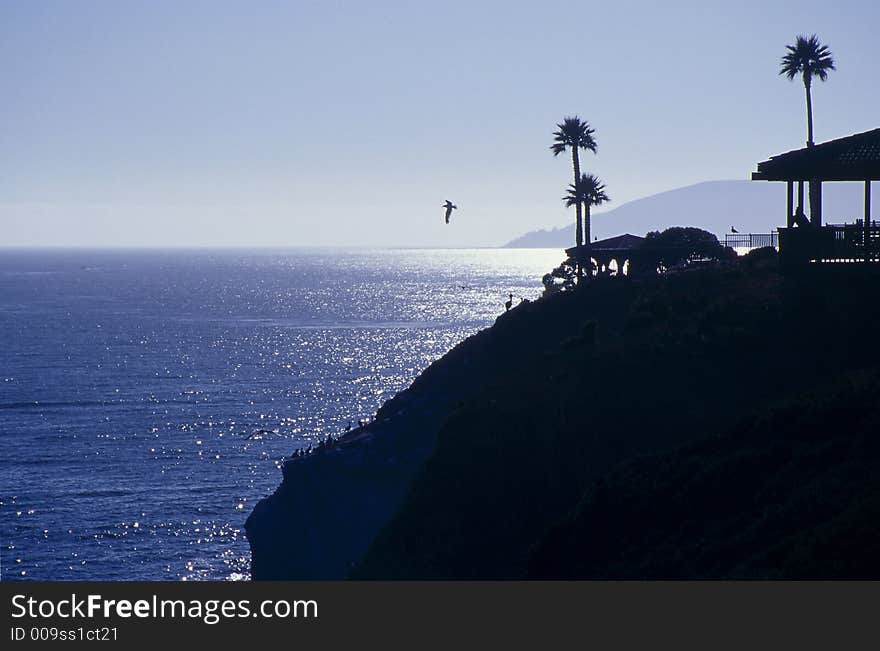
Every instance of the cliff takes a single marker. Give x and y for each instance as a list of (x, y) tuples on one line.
[(497, 447), (792, 493), (331, 505)]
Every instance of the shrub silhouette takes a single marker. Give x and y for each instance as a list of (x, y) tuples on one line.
[(680, 245)]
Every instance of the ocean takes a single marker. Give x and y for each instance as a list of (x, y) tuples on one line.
[(149, 398)]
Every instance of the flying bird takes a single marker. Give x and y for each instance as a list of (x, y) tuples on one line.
[(733, 230), (449, 208)]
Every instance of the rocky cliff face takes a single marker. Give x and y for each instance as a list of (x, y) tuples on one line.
[(697, 355), (791, 494), (466, 473), (331, 505)]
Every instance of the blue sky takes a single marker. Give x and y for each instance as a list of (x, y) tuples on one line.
[(298, 123)]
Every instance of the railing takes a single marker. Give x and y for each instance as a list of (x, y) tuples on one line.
[(832, 243), (751, 240)]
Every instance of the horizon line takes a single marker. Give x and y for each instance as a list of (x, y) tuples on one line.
[(256, 247)]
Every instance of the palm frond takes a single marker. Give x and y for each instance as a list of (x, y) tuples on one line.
[(809, 57), (594, 190), (573, 133), (588, 190)]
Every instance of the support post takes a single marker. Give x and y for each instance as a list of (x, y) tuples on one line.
[(816, 203), (789, 214), (800, 203), (867, 244)]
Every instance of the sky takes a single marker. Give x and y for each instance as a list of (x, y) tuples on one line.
[(284, 124)]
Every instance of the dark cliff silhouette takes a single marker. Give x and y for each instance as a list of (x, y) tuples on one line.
[(668, 362), (490, 458), (790, 493)]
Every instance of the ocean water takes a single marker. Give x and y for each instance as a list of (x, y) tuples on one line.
[(134, 386)]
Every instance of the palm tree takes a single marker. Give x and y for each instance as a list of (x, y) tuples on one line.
[(595, 196), (575, 134), (809, 58), (589, 191)]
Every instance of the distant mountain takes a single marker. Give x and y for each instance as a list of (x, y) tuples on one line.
[(715, 206)]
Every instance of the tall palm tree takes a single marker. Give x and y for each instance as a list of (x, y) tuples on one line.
[(587, 191), (808, 58), (575, 134)]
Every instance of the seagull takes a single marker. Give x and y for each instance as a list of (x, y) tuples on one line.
[(449, 208), (733, 230)]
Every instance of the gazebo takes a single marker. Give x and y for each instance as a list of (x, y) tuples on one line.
[(619, 249), (806, 239)]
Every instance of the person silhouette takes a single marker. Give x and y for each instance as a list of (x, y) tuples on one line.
[(509, 303), (449, 208)]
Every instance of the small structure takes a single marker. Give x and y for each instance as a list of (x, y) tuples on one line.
[(805, 239), (602, 253)]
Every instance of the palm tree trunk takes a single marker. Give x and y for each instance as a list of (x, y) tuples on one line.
[(576, 163), (807, 85), (587, 227), (578, 230), (815, 206)]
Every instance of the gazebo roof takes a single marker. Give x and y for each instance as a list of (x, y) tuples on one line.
[(853, 158), (625, 241), (617, 244)]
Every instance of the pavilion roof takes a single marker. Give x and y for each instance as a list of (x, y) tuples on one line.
[(853, 158), (618, 243), (625, 241)]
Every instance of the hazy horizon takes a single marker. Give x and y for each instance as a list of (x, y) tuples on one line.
[(282, 247), (220, 125)]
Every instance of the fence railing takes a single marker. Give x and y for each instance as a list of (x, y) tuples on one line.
[(751, 240), (832, 243)]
